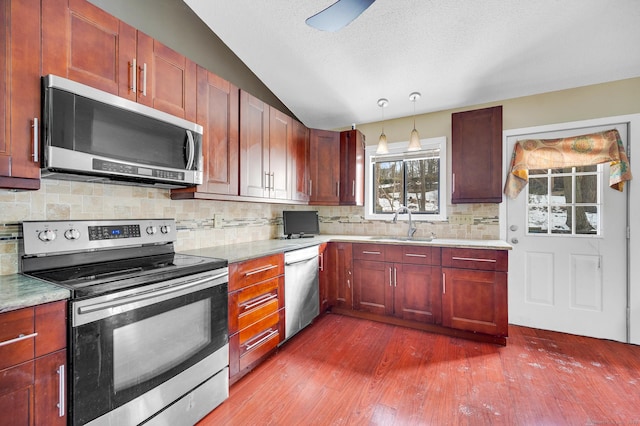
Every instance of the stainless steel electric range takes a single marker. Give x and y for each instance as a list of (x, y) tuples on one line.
[(148, 333)]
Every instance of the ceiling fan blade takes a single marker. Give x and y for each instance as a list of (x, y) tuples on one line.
[(338, 15)]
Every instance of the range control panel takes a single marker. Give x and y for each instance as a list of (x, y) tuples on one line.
[(50, 237)]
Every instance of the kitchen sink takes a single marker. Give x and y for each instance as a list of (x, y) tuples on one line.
[(405, 239)]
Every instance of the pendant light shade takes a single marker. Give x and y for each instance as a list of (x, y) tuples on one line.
[(382, 142), (414, 139)]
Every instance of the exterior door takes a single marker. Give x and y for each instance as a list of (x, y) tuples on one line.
[(568, 267)]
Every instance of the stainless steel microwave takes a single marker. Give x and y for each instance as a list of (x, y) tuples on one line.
[(91, 135)]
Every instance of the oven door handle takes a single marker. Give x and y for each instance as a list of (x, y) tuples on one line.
[(145, 298)]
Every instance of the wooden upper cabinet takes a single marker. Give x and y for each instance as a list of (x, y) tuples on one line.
[(352, 169), (217, 112), (280, 133), (324, 168), (254, 146), (86, 44), (299, 162), (476, 142), (19, 94)]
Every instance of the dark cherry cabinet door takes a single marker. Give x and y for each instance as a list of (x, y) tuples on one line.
[(324, 167), (476, 143), (47, 389), (86, 44), (299, 162), (352, 168), (341, 264), (324, 277), (280, 133), (19, 94), (373, 287), (417, 293), (254, 146)]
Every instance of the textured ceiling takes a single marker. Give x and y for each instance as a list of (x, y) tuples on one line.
[(455, 52)]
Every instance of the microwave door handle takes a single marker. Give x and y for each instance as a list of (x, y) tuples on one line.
[(192, 149)]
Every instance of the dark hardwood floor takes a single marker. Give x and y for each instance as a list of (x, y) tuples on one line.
[(348, 371)]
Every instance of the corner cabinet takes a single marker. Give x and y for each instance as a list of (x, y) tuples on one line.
[(298, 164), (20, 94), (86, 44), (324, 169), (33, 365), (256, 312), (352, 145), (474, 290), (339, 261), (476, 150)]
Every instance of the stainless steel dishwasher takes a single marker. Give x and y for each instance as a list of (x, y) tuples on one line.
[(301, 300)]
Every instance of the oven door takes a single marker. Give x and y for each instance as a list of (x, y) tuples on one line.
[(126, 346)]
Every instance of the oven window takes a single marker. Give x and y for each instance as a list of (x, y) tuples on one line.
[(148, 348)]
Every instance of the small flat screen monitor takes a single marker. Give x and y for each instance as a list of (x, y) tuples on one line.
[(302, 223)]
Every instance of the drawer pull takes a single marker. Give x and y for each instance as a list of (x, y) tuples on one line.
[(415, 255), (371, 252), (473, 259), (258, 301), (444, 283), (262, 337), (257, 271), (61, 394), (18, 339)]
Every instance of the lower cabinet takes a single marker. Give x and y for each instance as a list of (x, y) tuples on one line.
[(32, 365), (256, 312), (404, 282), (324, 277), (474, 290), (340, 263)]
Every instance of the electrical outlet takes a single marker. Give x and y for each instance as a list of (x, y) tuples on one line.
[(217, 221), (461, 219)]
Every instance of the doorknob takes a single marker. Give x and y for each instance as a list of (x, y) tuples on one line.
[(514, 241), (513, 227)]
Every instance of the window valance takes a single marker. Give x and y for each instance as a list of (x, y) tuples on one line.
[(583, 150)]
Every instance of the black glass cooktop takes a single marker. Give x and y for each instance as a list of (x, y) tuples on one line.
[(106, 277)]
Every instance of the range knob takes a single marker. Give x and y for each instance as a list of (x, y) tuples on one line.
[(165, 229), (72, 234), (151, 230), (47, 235)]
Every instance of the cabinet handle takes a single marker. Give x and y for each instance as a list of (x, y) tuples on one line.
[(321, 261), (415, 255), (259, 301), (453, 183), (473, 259), (36, 145), (377, 253), (61, 395), (348, 283), (273, 180), (18, 339), (395, 277), (134, 76), (257, 271), (353, 189), (444, 283), (144, 79), (338, 188), (310, 187), (267, 335), (267, 180), (390, 278)]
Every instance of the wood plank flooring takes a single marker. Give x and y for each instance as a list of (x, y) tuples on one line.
[(349, 371)]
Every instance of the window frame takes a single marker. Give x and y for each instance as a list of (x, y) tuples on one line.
[(400, 148)]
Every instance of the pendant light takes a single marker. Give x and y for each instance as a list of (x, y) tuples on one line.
[(382, 142), (414, 139)]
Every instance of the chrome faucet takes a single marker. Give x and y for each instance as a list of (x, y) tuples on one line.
[(411, 230)]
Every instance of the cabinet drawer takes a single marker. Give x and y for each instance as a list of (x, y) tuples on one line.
[(369, 251), (263, 344), (250, 335), (17, 337), (51, 325), (257, 302), (252, 271), (419, 255), (485, 260)]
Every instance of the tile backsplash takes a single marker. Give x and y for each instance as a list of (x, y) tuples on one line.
[(240, 221)]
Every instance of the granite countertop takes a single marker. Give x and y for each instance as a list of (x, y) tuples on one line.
[(20, 291), (245, 251)]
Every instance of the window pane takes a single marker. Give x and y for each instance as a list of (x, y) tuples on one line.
[(388, 186), (587, 189), (538, 219), (587, 220), (561, 220), (582, 169), (561, 190), (538, 187), (422, 178)]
